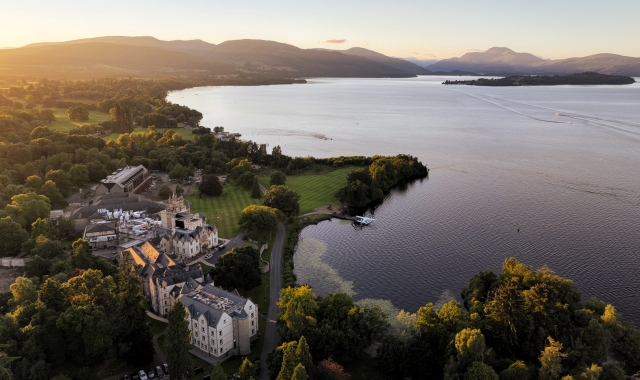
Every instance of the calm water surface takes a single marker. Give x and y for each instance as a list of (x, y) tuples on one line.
[(561, 164)]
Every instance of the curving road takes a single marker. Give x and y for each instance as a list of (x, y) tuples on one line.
[(271, 336)]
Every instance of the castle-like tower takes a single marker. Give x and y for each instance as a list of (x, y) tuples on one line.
[(176, 205)]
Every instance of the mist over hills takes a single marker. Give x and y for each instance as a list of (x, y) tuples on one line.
[(504, 61)]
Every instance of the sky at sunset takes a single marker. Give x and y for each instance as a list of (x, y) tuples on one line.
[(424, 29)]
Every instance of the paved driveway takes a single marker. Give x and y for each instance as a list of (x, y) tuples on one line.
[(271, 336)]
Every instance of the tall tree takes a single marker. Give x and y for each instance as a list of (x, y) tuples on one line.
[(178, 343), (303, 354), (255, 188), (217, 373), (298, 308), (30, 207), (238, 268), (246, 370), (480, 371), (299, 373), (210, 185), (260, 219), (135, 336), (284, 199), (12, 237), (551, 360), (277, 178), (289, 363)]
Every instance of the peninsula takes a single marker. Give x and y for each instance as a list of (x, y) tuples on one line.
[(586, 78)]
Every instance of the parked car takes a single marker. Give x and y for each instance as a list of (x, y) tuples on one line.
[(159, 372), (208, 256), (151, 374), (143, 375), (165, 368), (126, 377), (135, 376), (198, 370), (221, 246)]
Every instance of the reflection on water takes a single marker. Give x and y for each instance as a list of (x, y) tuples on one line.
[(549, 175)]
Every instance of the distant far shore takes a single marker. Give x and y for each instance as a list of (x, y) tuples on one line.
[(587, 78)]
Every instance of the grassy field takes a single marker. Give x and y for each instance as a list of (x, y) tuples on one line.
[(316, 190), (224, 211), (63, 123)]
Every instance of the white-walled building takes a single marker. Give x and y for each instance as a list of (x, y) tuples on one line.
[(222, 323)]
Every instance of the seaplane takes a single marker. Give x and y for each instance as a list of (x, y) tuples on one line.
[(363, 220)]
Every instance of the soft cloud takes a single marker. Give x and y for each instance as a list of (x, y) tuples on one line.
[(475, 50), (333, 41)]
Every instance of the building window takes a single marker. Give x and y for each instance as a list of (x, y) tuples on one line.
[(253, 331), (195, 325), (220, 332), (165, 302), (250, 309), (165, 310), (224, 321), (196, 334), (220, 341), (203, 329), (251, 315), (252, 323)]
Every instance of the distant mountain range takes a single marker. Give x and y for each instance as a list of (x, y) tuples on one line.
[(150, 57), (504, 61)]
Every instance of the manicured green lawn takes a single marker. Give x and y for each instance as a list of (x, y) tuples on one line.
[(63, 123), (224, 211), (316, 190)]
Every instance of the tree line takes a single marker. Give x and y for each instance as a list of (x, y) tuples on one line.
[(522, 324), (365, 185)]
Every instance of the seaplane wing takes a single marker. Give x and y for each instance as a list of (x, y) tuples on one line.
[(364, 219)]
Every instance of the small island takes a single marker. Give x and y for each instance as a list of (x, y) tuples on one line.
[(586, 78)]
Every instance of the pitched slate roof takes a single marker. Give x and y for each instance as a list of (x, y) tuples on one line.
[(100, 227)]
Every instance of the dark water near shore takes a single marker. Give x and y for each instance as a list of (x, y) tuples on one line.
[(562, 164)]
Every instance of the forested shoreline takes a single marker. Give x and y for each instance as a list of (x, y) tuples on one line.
[(521, 324), (586, 78)]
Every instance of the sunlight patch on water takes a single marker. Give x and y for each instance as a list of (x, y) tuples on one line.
[(310, 269)]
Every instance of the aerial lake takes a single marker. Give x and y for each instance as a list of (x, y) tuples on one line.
[(549, 175)]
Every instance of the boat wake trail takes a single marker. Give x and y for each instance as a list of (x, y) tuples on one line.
[(512, 110), (616, 127)]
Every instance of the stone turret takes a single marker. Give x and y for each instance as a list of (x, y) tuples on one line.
[(176, 205)]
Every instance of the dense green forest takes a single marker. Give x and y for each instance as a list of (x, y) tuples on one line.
[(522, 324), (586, 78)]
